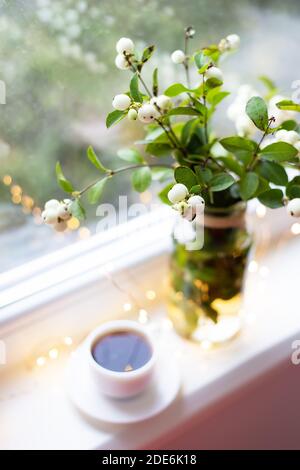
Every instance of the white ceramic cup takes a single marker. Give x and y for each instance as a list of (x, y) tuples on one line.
[(120, 384)]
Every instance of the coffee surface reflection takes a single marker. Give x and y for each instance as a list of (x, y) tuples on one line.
[(122, 351)]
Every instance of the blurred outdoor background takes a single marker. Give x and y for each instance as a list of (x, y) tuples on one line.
[(57, 61)]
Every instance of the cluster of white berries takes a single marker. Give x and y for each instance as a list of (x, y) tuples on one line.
[(230, 43), (57, 213), (124, 48), (146, 112), (187, 205)]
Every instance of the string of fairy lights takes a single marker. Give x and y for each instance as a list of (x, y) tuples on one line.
[(66, 344), (132, 305)]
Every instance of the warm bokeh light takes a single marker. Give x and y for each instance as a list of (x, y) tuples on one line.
[(73, 223), (150, 294), (253, 266), (127, 307), (295, 229), (7, 180), (84, 233), (41, 361), (53, 353), (261, 211)]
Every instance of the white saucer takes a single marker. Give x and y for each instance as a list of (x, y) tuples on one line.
[(89, 400)]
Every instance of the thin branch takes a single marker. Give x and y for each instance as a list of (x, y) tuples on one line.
[(111, 173)]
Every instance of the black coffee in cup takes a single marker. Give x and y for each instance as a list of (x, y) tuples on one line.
[(122, 351)]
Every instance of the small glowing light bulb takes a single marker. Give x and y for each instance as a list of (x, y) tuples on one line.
[(127, 307), (53, 353), (41, 361), (68, 341), (151, 294), (143, 316), (253, 266), (261, 211)]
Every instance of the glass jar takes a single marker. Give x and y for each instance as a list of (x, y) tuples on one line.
[(207, 282)]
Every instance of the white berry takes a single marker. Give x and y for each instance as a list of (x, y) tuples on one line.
[(178, 57), (132, 115), (214, 72), (290, 137), (233, 40), (293, 207), (178, 193), (197, 202), (147, 113), (121, 62), (162, 101), (50, 216), (60, 226), (53, 203), (125, 45), (121, 102), (64, 212)]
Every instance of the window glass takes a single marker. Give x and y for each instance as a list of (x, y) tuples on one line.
[(57, 69)]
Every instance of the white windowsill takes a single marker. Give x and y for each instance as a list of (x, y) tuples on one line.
[(34, 407)]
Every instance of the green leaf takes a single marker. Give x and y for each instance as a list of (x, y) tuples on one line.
[(263, 186), (269, 84), (232, 164), (95, 160), (290, 125), (200, 59), (196, 189), (114, 117), (215, 96), (293, 191), (186, 176), (175, 90), (163, 195), (141, 179), (77, 210), (220, 182), (279, 151), (288, 105), (62, 181), (248, 185), (236, 144), (162, 174), (183, 111), (204, 175), (130, 155), (257, 111), (134, 89), (272, 198), (96, 191), (213, 83), (155, 82), (188, 130), (273, 172), (147, 53), (159, 149)]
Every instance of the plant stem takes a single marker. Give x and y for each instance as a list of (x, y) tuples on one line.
[(205, 114), (111, 173), (186, 64), (255, 155)]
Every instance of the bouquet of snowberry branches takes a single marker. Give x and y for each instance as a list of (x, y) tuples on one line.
[(205, 169)]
